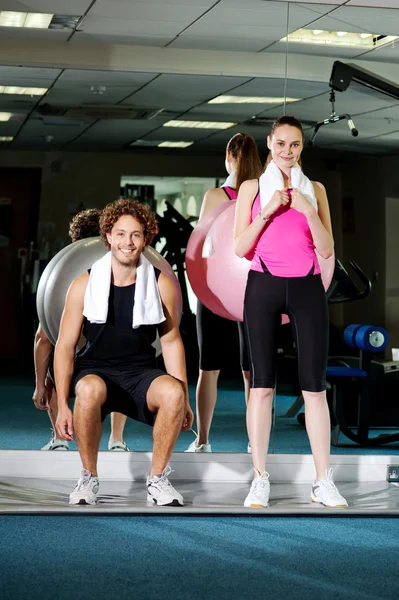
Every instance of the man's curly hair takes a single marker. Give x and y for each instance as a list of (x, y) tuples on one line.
[(126, 206), (85, 224)]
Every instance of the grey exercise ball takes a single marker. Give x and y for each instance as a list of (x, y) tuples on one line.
[(41, 289), (80, 257)]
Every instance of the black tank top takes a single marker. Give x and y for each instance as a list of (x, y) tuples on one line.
[(115, 343)]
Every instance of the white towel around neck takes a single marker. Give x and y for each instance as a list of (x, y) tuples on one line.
[(272, 180), (231, 180), (147, 308)]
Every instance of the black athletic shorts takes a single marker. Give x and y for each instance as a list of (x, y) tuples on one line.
[(303, 299), (126, 390), (50, 369), (212, 332)]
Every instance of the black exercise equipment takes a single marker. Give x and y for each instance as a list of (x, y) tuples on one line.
[(333, 118), (176, 230), (343, 373), (342, 75), (342, 287)]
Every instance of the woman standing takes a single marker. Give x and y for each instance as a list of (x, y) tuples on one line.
[(242, 163), (282, 219)]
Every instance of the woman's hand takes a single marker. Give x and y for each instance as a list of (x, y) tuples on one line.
[(300, 203), (279, 198)]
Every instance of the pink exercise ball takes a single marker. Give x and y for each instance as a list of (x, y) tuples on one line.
[(196, 264), (226, 274)]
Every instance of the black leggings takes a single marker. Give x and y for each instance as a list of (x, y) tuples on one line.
[(212, 331), (303, 299)]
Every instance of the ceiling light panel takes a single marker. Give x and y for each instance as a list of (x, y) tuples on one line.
[(200, 124), (6, 138), (22, 91), (5, 116), (339, 39), (36, 20), (252, 100), (175, 144), (23, 19)]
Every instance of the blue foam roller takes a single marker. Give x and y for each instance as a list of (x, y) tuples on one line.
[(371, 338), (350, 333)]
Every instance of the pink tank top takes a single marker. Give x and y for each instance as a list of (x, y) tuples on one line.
[(230, 192), (286, 245)]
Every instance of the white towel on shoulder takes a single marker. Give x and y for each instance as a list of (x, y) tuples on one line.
[(272, 180), (147, 309), (231, 180)]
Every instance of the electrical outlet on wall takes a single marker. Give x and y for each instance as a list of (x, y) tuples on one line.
[(393, 473)]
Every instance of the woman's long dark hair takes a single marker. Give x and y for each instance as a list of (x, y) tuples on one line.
[(244, 151), (292, 122)]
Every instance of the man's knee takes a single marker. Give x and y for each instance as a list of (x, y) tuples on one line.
[(91, 390), (172, 398)]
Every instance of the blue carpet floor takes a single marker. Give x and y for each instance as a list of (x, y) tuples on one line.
[(22, 427), (171, 558)]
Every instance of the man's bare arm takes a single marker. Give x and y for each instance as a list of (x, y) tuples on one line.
[(68, 337), (169, 334), (42, 350), (172, 345)]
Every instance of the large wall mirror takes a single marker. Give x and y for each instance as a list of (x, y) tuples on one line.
[(85, 118)]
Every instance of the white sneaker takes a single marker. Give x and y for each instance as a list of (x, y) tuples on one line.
[(86, 490), (324, 491), (118, 447), (161, 492), (195, 447), (259, 493), (55, 444)]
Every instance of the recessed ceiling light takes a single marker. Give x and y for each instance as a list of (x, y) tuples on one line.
[(251, 100), (5, 116), (200, 124), (175, 144), (22, 19), (318, 31), (366, 41), (6, 138), (37, 20), (22, 91)]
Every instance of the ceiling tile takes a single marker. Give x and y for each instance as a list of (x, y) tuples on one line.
[(388, 53), (36, 77), (181, 92), (133, 40), (20, 33), (351, 18), (72, 77), (181, 12), (130, 27), (372, 3), (216, 42)]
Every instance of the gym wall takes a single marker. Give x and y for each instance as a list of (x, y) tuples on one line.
[(94, 178)]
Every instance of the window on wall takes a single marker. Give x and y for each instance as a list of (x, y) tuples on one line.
[(185, 194)]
